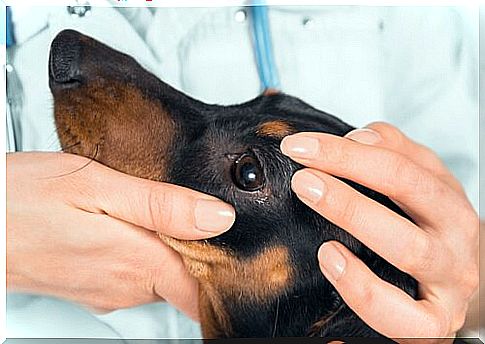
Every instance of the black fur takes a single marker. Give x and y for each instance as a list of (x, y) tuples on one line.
[(200, 158)]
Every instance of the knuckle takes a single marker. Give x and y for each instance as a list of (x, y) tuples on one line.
[(364, 296), (156, 283), (129, 274), (338, 155), (398, 168), (348, 212), (159, 207), (414, 179), (149, 283), (389, 132), (422, 257), (428, 183), (436, 187)]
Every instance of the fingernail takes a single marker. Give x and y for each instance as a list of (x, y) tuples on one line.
[(300, 146), (308, 186), (331, 261), (364, 135), (213, 216)]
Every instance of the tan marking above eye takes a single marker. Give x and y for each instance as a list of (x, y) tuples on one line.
[(276, 128)]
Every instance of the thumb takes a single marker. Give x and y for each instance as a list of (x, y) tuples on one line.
[(169, 209)]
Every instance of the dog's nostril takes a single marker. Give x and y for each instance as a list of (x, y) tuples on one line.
[(64, 58)]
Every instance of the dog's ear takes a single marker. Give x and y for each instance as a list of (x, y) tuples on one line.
[(109, 108), (270, 92)]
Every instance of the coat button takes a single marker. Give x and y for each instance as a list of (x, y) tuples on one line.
[(81, 10), (307, 22), (240, 16)]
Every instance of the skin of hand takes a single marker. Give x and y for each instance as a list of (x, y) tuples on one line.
[(84, 232), (440, 250), (473, 320)]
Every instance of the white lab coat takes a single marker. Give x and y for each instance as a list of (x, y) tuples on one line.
[(414, 67)]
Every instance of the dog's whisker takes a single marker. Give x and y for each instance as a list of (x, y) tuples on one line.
[(68, 142), (72, 146), (228, 152), (314, 331), (78, 169), (62, 137), (276, 317)]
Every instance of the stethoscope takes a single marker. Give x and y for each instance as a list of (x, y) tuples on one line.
[(263, 47), (261, 41)]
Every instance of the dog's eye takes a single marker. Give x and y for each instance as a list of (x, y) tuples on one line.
[(247, 173)]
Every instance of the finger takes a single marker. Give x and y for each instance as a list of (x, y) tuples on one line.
[(157, 273), (383, 306), (385, 171), (369, 221), (447, 340), (169, 209), (181, 290), (384, 135)]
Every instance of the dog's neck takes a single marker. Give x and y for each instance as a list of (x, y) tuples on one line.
[(223, 316)]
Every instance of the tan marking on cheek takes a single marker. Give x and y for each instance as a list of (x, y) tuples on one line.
[(223, 276), (198, 251), (264, 276), (277, 129), (128, 131), (258, 278)]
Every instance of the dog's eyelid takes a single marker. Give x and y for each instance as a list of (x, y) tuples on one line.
[(232, 156), (236, 155)]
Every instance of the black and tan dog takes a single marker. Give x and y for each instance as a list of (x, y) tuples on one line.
[(261, 278)]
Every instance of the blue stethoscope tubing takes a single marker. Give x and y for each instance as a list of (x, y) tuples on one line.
[(263, 47)]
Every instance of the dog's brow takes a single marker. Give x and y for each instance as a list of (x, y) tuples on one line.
[(276, 128)]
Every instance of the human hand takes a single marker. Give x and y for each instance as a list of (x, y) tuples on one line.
[(90, 236), (440, 250)]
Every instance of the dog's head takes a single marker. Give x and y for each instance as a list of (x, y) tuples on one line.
[(261, 278)]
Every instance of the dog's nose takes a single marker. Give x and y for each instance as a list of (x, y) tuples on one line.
[(64, 59)]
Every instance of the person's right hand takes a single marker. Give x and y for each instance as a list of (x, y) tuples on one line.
[(439, 248), (90, 236)]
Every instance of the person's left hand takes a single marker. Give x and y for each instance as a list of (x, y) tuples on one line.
[(440, 249)]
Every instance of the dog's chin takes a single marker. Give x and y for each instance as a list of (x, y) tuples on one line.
[(197, 250), (199, 256), (262, 277)]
